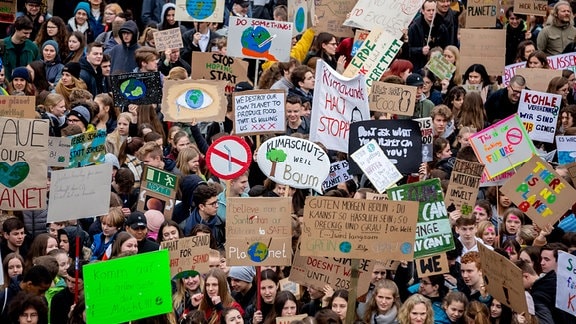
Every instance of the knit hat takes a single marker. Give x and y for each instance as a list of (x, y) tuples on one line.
[(82, 113), (154, 219), (73, 68), (51, 42), (82, 6), (21, 72), (245, 274), (136, 218)]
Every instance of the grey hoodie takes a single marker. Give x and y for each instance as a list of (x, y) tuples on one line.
[(124, 55)]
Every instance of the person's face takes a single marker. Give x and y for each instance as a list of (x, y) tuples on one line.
[(534, 63), (445, 153), (109, 16), (130, 245), (571, 80), (66, 79), (449, 56), (192, 283), (474, 78), (123, 126), (378, 273), (289, 308), (183, 142), (280, 190), (19, 84), (139, 232), (33, 9), (22, 35), (2, 76), (234, 317), (418, 313), (384, 300), (427, 85), (470, 274), (308, 82), (210, 207), (512, 254), (443, 6), (240, 9), (106, 68), (155, 161), (126, 37), (58, 110), (514, 92), (466, 232), (51, 244), (73, 43), (567, 120), (514, 21), (293, 112), (427, 288), (63, 264), (340, 306), (480, 214), (489, 236), (170, 16), (71, 282), (455, 311), (239, 185), (457, 102), (15, 237), (14, 268), (495, 309), (547, 261), (170, 233), (239, 285), (49, 53), (330, 47), (174, 55), (564, 13), (212, 286), (268, 291), (194, 163), (513, 224), (563, 91), (464, 140), (95, 56), (526, 258), (37, 290), (108, 230), (428, 11), (419, 91), (64, 243), (150, 66), (29, 316), (529, 49), (81, 17)]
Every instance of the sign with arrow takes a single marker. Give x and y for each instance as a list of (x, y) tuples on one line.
[(157, 191)]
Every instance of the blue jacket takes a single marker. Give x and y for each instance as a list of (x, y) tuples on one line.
[(99, 247), (216, 224), (123, 55)]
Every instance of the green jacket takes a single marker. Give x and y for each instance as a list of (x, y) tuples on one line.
[(30, 53)]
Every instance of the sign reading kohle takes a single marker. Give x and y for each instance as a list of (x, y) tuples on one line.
[(158, 186)]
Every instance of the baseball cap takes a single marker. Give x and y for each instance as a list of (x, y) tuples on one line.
[(136, 219)]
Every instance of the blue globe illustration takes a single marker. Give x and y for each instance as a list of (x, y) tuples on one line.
[(200, 9), (406, 248), (299, 19), (133, 89), (258, 252), (345, 247), (253, 38), (194, 98)]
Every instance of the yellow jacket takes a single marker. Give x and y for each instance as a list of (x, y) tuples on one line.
[(298, 51)]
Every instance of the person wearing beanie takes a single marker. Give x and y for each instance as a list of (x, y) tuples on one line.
[(80, 21), (20, 83), (19, 49), (154, 219), (242, 285), (136, 224), (52, 62), (123, 55), (69, 80), (80, 116)]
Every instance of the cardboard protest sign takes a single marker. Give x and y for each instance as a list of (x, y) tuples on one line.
[(432, 265), (565, 286), (539, 113), (338, 173), (538, 79), (540, 192), (392, 98), (353, 228), (337, 103), (497, 180), (472, 87), (158, 191), (483, 46), (294, 162), (139, 88), (317, 271), (17, 106), (259, 39), (391, 15), (140, 285), (8, 10), (440, 66), (258, 231), (289, 319), (400, 140), (259, 112), (189, 100), (531, 7), (168, 39), (374, 56), (510, 71), (331, 15), (463, 187), (80, 192), (427, 137), (59, 151), (359, 38), (375, 196), (556, 62), (502, 146), (87, 148), (187, 254), (23, 169), (218, 67), (503, 279), (433, 231), (287, 285), (482, 13), (566, 146), (377, 167), (200, 10), (299, 14)]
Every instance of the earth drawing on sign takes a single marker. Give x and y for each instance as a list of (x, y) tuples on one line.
[(133, 89)]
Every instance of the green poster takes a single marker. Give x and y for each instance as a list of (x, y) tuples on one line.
[(433, 231), (128, 288)]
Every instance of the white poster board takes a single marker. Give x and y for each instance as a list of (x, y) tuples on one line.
[(376, 165), (200, 10), (259, 39), (565, 287), (391, 15), (539, 113)]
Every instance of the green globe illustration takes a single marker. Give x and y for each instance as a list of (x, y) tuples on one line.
[(194, 98), (133, 89), (200, 9), (252, 38), (258, 252), (299, 20)]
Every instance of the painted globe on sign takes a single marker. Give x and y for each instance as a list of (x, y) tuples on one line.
[(345, 247), (252, 38), (194, 98), (133, 89), (200, 9), (258, 252), (299, 20)]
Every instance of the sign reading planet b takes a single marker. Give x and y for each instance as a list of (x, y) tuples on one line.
[(200, 9)]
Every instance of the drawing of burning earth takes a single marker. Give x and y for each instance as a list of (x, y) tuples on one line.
[(256, 42)]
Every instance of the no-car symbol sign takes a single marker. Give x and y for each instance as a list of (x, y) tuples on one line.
[(228, 157)]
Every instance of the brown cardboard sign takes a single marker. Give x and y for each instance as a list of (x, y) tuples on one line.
[(258, 231), (18, 106), (352, 228), (432, 265), (482, 13), (540, 192), (194, 100), (531, 7), (289, 319), (218, 67), (463, 187), (168, 39), (571, 171), (538, 79), (375, 196), (392, 98), (483, 46), (331, 14), (189, 253), (158, 191)]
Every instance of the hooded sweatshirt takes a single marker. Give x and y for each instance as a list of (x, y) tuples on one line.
[(124, 55), (163, 17)]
